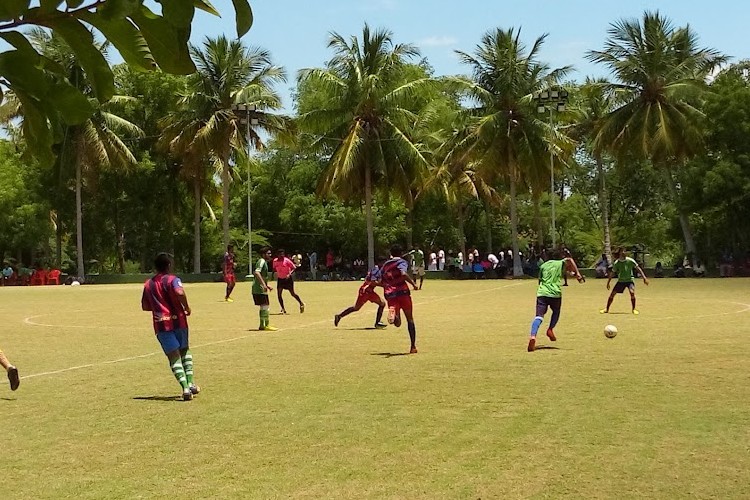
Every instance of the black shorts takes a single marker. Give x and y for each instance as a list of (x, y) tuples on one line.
[(261, 299), (621, 286), (542, 303), (285, 283)]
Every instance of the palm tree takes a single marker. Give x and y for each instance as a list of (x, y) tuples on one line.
[(207, 128), (660, 74), (95, 143), (507, 140), (359, 111)]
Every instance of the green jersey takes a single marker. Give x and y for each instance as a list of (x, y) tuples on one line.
[(550, 276), (624, 269), (262, 268), (417, 258)]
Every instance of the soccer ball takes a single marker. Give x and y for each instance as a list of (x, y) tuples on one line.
[(610, 331)]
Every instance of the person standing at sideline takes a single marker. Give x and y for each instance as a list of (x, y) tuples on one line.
[(441, 259), (312, 257), (165, 298), (228, 270), (261, 289)]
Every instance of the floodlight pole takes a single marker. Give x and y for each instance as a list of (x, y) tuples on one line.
[(243, 111)]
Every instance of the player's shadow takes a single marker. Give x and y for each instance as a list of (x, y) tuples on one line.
[(361, 329), (176, 399), (7, 399), (546, 348), (389, 354)]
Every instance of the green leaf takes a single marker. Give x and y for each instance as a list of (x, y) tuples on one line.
[(11, 9), (118, 9), (23, 45), (36, 129), (72, 4), (168, 45), (206, 6), (18, 70), (178, 13), (91, 59), (48, 6), (73, 106), (126, 38), (244, 16)]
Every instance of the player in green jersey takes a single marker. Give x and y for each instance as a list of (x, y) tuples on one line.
[(417, 265), (623, 267), (261, 289), (549, 294)]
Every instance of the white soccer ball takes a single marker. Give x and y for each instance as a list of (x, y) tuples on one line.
[(75, 283), (610, 331)]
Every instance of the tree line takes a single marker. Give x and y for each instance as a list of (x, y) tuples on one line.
[(381, 149)]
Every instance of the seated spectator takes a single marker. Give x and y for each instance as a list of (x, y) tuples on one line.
[(699, 271), (679, 271), (658, 271), (600, 268), (24, 275), (8, 275), (478, 270), (39, 276), (726, 265)]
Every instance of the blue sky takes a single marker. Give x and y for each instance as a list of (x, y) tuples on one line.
[(296, 31)]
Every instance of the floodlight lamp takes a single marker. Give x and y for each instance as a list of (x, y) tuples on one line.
[(537, 95), (545, 95), (560, 107), (254, 121), (541, 108), (553, 94), (563, 94)]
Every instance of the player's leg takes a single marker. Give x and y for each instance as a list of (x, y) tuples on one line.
[(421, 278), (170, 344), (631, 289), (296, 297), (610, 299), (394, 312), (346, 312), (556, 306), (187, 360), (11, 370), (406, 305), (230, 287), (279, 289), (541, 310), (379, 315)]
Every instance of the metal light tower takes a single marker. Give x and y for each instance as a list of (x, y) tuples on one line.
[(552, 100), (245, 112)]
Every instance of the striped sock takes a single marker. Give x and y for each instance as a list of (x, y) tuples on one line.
[(179, 372), (264, 317), (187, 363)]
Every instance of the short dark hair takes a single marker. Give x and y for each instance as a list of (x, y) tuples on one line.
[(555, 254), (230, 246), (396, 250), (280, 250), (162, 262), (264, 250)]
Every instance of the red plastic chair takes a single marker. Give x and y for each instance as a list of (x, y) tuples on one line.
[(39, 277), (53, 277)]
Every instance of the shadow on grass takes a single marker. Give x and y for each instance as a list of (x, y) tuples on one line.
[(7, 399), (389, 354), (361, 329), (546, 347), (177, 399)]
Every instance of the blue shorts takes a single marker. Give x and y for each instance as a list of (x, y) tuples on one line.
[(173, 340)]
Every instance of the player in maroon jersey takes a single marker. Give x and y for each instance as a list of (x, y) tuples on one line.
[(228, 270), (367, 294), (396, 280), (164, 296)]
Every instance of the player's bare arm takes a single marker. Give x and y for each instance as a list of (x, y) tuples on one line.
[(410, 281), (574, 267), (183, 300), (640, 271), (262, 281)]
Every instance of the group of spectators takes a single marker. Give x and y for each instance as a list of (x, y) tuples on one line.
[(21, 275)]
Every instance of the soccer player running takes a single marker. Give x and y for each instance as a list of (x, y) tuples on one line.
[(284, 269), (261, 289), (228, 270), (549, 294), (417, 265), (623, 267), (11, 370), (367, 294), (395, 280), (164, 296)]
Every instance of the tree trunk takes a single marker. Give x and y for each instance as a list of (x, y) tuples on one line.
[(517, 267), (684, 221), (225, 200), (58, 241), (488, 215), (79, 223), (120, 239), (538, 223), (410, 228), (368, 218), (461, 236), (197, 226), (604, 207)]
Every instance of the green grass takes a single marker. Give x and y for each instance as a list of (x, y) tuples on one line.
[(313, 411)]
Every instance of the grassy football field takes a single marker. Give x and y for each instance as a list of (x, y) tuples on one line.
[(313, 411)]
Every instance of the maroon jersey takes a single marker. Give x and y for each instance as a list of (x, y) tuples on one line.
[(160, 294), (393, 276), (228, 263), (371, 280)]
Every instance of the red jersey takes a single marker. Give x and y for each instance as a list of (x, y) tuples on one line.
[(393, 276), (228, 263), (371, 280), (160, 295)]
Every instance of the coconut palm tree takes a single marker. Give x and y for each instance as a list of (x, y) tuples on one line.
[(660, 75), (93, 144), (207, 127), (507, 140), (359, 110)]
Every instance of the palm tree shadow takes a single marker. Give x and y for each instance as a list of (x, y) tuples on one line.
[(389, 354), (176, 399)]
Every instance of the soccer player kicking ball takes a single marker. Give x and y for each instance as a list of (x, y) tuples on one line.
[(228, 270), (261, 289), (11, 370), (284, 269), (549, 294), (623, 267), (395, 280), (164, 297), (367, 294)]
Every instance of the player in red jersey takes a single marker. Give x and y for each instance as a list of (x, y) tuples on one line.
[(367, 294), (396, 280), (164, 297), (228, 270)]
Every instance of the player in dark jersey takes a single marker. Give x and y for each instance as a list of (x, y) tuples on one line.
[(228, 270), (367, 294), (395, 280), (164, 297), (11, 370)]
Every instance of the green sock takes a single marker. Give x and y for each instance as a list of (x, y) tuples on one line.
[(187, 363), (264, 317), (179, 372)]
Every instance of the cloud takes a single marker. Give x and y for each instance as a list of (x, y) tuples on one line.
[(438, 41)]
